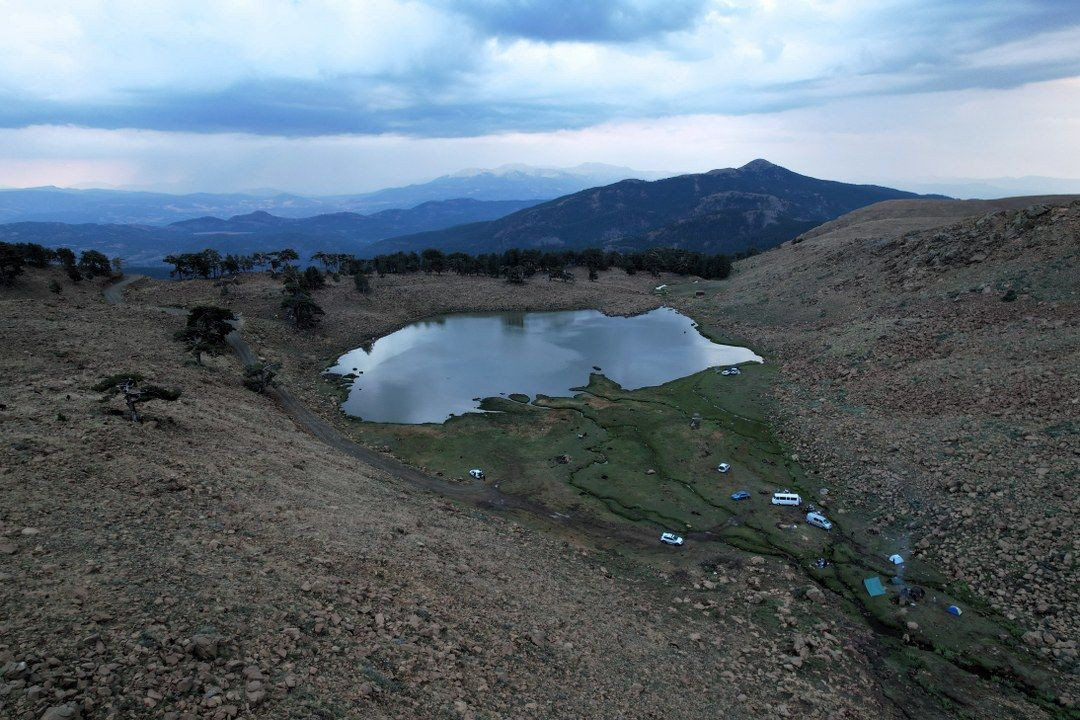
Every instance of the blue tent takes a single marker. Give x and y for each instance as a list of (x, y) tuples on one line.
[(873, 586)]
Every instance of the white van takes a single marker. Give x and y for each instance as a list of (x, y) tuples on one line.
[(786, 498), (818, 520)]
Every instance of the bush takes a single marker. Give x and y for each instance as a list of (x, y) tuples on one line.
[(93, 263), (260, 376)]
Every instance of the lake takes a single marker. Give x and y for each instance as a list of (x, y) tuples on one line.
[(436, 368)]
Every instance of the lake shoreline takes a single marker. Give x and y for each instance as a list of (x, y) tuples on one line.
[(539, 353)]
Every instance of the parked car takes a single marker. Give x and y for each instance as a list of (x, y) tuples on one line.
[(670, 538), (723, 467), (818, 520), (731, 371), (786, 498), (741, 495), (477, 473)]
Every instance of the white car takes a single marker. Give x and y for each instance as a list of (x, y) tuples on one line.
[(731, 371), (670, 538), (723, 467), (818, 520), (477, 473)]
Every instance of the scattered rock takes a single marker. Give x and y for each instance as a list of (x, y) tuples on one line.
[(68, 711), (204, 647)]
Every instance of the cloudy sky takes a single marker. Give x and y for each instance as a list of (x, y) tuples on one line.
[(324, 96)]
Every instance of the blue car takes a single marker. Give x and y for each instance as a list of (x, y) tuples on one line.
[(741, 495)]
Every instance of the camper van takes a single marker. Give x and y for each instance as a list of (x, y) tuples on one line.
[(786, 498)]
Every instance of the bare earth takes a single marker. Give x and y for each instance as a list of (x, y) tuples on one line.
[(217, 561)]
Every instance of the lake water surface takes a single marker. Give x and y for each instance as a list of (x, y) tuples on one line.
[(435, 368)]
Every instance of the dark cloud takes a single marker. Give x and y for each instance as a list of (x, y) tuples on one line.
[(917, 46), (584, 20), (294, 108)]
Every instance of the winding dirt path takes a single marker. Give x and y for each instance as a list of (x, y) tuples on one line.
[(114, 294), (484, 496)]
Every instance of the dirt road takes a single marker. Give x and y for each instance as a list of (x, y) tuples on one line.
[(489, 496)]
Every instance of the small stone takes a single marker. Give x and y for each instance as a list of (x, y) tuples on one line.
[(69, 711), (14, 670), (204, 647)]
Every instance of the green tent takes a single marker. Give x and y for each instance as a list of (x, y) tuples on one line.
[(873, 586)]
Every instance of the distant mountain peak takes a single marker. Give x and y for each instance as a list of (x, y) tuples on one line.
[(599, 172), (757, 166), (727, 210), (760, 164), (255, 215)]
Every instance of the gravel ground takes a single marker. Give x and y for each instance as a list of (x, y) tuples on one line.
[(214, 561), (931, 365)]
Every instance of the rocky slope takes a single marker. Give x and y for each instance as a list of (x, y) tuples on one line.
[(932, 362), (216, 562)]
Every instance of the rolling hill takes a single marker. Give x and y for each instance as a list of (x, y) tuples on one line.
[(757, 205), (338, 232)]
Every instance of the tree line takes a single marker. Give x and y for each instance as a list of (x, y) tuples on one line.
[(514, 264), (16, 256)]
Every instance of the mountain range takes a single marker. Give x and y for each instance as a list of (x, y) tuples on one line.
[(757, 205), (259, 230), (509, 182)]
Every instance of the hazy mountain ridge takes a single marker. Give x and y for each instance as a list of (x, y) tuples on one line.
[(259, 230), (509, 182), (506, 183), (757, 205)]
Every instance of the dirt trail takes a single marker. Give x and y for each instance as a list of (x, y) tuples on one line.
[(114, 294), (481, 495)]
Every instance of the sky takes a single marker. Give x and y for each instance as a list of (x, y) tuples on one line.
[(334, 96)]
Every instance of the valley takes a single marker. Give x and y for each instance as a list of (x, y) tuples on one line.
[(540, 360), (739, 609)]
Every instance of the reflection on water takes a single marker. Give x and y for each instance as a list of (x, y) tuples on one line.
[(433, 369)]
